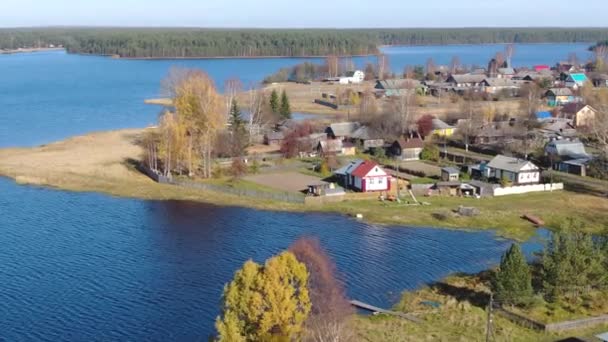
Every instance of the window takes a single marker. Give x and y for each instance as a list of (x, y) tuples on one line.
[(380, 180), (371, 181)]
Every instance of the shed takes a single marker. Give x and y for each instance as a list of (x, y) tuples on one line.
[(450, 174)]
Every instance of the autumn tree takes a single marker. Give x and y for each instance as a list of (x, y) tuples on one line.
[(200, 112), (285, 108), (329, 318), (512, 283), (293, 144), (425, 125), (263, 303), (370, 72), (530, 95), (383, 66), (431, 68)]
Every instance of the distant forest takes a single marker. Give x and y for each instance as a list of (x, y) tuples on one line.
[(186, 42)]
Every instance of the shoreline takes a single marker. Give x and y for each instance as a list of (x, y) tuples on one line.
[(181, 58), (105, 162)]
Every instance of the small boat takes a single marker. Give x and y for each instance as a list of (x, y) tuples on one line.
[(534, 219)]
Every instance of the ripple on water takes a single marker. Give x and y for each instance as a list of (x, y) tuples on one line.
[(80, 266)]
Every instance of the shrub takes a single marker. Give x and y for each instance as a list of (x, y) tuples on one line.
[(430, 152)]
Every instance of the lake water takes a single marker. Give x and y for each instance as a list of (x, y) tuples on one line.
[(90, 267), (48, 96)]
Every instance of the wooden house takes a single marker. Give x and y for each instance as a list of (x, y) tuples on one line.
[(409, 149), (364, 176)]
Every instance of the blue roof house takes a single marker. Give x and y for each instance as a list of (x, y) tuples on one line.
[(576, 80)]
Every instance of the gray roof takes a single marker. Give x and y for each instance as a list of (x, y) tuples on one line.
[(438, 124), (506, 71), (515, 165), (362, 133), (397, 84), (568, 148), (503, 82), (331, 146), (344, 129), (451, 170), (468, 78), (350, 167)]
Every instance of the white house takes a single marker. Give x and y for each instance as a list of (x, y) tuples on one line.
[(364, 176), (356, 76), (517, 171)]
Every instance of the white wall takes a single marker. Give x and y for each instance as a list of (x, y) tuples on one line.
[(528, 177), (376, 183), (522, 189)]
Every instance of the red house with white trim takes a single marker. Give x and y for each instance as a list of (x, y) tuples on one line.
[(364, 176)]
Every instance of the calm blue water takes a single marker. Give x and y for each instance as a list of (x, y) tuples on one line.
[(89, 267), (85, 267), (49, 96)]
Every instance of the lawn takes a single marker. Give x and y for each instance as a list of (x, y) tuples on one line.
[(452, 310)]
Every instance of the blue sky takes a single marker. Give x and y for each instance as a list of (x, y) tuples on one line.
[(307, 13)]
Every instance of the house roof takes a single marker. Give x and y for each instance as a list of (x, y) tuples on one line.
[(511, 164), (362, 133), (502, 82), (543, 115), (410, 143), (573, 108), (439, 124), (506, 71), (451, 170), (331, 145), (578, 77), (569, 148), (403, 83), (364, 168), (559, 92), (467, 78), (343, 129), (541, 67), (348, 168)]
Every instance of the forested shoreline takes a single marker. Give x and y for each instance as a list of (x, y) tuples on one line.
[(203, 43)]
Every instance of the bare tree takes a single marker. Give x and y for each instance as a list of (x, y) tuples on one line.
[(333, 65), (509, 52), (258, 114), (232, 88), (329, 320), (430, 68), (383, 66), (500, 59), (455, 64), (404, 105), (530, 99)]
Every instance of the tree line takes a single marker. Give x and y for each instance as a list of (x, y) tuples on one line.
[(191, 42)]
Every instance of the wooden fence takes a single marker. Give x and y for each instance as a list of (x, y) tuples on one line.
[(254, 194), (552, 327)]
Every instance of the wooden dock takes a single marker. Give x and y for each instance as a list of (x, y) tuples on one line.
[(375, 309)]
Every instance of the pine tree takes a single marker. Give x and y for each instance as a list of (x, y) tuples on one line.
[(513, 280), (274, 102), (238, 133), (285, 109)]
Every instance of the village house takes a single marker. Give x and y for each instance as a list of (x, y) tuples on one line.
[(335, 147), (600, 80), (352, 77), (466, 80), (409, 149), (442, 129), (576, 80), (506, 72), (365, 136), (555, 128), (560, 97), (504, 86), (274, 138), (570, 156), (398, 87), (364, 176), (450, 174), (580, 114), (342, 130), (515, 170)]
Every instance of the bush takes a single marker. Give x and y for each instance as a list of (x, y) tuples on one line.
[(505, 182), (430, 152)]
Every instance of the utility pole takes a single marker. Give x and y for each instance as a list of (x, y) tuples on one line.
[(489, 323)]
